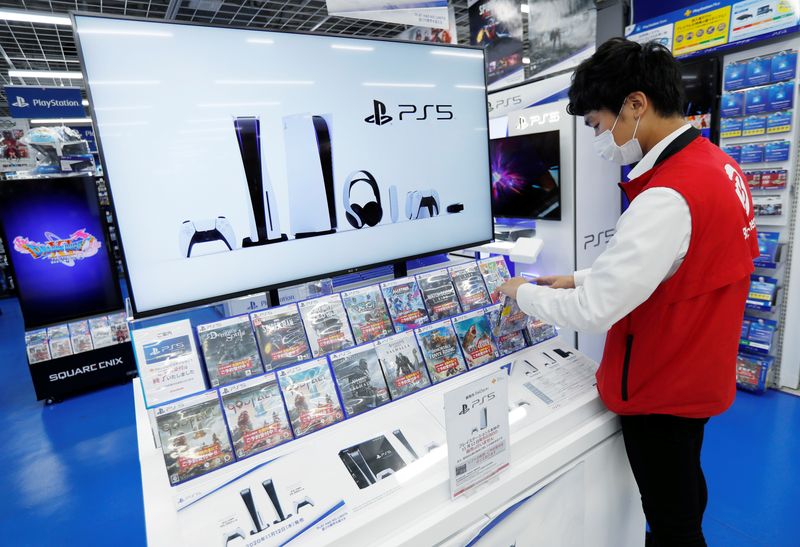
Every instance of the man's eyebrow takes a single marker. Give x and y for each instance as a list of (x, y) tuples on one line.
[(586, 123)]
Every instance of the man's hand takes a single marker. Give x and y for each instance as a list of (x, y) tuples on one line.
[(510, 287), (557, 281)]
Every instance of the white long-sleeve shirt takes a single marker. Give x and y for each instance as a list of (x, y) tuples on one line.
[(649, 246)]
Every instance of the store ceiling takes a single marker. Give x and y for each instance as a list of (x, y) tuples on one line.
[(35, 46)]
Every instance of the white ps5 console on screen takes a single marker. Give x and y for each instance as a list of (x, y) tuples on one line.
[(265, 225), (309, 169)]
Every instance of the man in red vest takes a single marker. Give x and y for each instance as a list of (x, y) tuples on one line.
[(670, 289)]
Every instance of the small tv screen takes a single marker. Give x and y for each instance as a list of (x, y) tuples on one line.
[(526, 176), (57, 249)]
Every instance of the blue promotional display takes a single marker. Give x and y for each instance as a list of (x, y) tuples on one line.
[(776, 151), (758, 71), (768, 249), (752, 152), (784, 66), (781, 96), (732, 105), (762, 293), (44, 102), (754, 125), (758, 335), (735, 76), (87, 133), (731, 127), (57, 249), (779, 122), (751, 372), (756, 100), (718, 25)]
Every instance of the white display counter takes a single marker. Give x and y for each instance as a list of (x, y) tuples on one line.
[(566, 448)]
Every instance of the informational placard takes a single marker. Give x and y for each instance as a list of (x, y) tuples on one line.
[(718, 24), (476, 419), (555, 375)]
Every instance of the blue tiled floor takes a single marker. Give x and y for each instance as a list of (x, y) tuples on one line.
[(70, 473)]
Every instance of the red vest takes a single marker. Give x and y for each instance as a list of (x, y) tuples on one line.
[(676, 353)]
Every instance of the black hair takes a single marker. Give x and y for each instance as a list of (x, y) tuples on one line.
[(618, 68)]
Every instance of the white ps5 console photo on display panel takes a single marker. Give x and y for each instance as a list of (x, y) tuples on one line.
[(242, 159)]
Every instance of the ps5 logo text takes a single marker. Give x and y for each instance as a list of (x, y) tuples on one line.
[(437, 112), (524, 122)]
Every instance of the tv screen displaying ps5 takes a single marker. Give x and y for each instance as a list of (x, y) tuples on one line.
[(526, 176), (240, 160)]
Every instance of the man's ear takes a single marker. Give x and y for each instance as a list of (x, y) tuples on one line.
[(637, 101)]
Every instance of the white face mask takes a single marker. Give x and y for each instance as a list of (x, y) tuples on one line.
[(608, 149)]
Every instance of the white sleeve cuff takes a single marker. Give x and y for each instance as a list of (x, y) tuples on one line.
[(580, 276)]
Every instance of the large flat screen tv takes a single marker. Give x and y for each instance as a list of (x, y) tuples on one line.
[(526, 176), (241, 160), (56, 245)]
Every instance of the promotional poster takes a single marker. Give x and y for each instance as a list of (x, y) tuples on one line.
[(360, 379), (310, 138), (281, 336), (193, 437), (255, 415), (496, 25), (57, 249), (561, 33), (310, 396), (230, 350), (14, 154)]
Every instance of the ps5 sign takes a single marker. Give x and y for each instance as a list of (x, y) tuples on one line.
[(44, 102)]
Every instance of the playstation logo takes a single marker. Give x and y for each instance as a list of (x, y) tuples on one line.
[(20, 102), (379, 116)]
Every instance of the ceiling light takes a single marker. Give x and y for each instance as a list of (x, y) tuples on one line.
[(456, 53), (352, 48), (525, 8), (85, 102), (465, 86), (54, 75), (260, 41), (389, 84), (148, 33), (31, 17), (526, 60), (60, 121)]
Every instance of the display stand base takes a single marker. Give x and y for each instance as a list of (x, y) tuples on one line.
[(58, 379)]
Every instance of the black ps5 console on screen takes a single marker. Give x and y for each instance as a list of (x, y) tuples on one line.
[(264, 223)]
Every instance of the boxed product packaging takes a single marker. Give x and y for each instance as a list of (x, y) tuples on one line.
[(735, 74), (784, 66), (768, 206), (781, 96), (753, 126), (731, 127), (756, 100), (753, 179), (752, 371), (774, 179), (762, 292), (734, 151), (752, 152), (758, 71), (768, 247), (759, 335), (732, 105), (779, 122), (776, 151)]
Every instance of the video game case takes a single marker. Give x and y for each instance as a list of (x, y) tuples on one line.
[(256, 417), (475, 337), (402, 364), (168, 362), (230, 350), (404, 300), (60, 344), (441, 351), (368, 315), (37, 346), (310, 396), (360, 379), (538, 331), (495, 272), (470, 289), (326, 324), (194, 439), (81, 336), (439, 294), (281, 336), (119, 327), (507, 342), (100, 328), (511, 318)]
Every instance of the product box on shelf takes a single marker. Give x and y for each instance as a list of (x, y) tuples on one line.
[(475, 337), (732, 105), (752, 152), (402, 364), (752, 371), (783, 66), (229, 350), (439, 294), (758, 71), (768, 245), (310, 395), (757, 335), (360, 379), (406, 307), (326, 324), (781, 96), (468, 282), (752, 126), (779, 122), (367, 312), (441, 350), (776, 151), (768, 206), (495, 272), (731, 127), (281, 336), (734, 77), (734, 151), (756, 100), (762, 293)]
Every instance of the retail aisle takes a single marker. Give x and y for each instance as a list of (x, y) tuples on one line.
[(70, 473)]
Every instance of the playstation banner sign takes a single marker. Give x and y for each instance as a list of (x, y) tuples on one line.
[(44, 102)]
